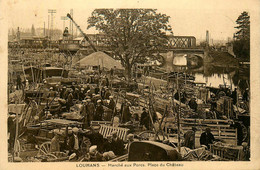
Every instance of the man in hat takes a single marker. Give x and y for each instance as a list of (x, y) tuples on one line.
[(117, 144), (99, 111), (189, 138), (207, 138), (55, 141), (75, 141)]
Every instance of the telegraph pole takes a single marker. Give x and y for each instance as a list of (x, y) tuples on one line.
[(44, 29), (51, 11), (48, 26)]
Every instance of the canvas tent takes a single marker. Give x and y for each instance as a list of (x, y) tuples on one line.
[(99, 59)]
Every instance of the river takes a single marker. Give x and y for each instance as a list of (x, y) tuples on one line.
[(212, 75)]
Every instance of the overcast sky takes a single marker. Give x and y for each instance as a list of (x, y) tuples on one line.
[(191, 18)]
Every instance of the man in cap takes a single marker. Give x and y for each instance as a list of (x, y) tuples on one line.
[(18, 83), (245, 97), (97, 90), (76, 94), (84, 113), (88, 93), (109, 155), (117, 144), (69, 100), (55, 141), (62, 93), (145, 119), (96, 138), (102, 93), (130, 139), (87, 89), (207, 138), (90, 110), (27, 87), (51, 93), (94, 99), (112, 103), (107, 94), (193, 104), (65, 143), (73, 157), (73, 86), (81, 94), (108, 144), (95, 155), (189, 138), (234, 96), (99, 111)]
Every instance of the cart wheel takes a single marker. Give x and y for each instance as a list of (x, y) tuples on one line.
[(51, 156), (44, 149)]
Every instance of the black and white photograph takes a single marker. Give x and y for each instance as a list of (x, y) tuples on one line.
[(88, 84)]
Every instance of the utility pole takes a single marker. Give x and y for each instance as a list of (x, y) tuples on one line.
[(48, 26), (51, 11), (44, 29)]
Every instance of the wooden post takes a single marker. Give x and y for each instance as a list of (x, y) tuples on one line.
[(178, 116)]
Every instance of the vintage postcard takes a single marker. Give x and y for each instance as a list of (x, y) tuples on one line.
[(130, 84)]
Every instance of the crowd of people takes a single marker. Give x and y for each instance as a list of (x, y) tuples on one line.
[(91, 147)]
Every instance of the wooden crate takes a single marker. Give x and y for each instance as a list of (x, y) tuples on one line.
[(227, 152), (107, 130)]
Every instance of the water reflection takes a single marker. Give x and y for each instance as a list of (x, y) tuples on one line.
[(215, 80), (232, 76)]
